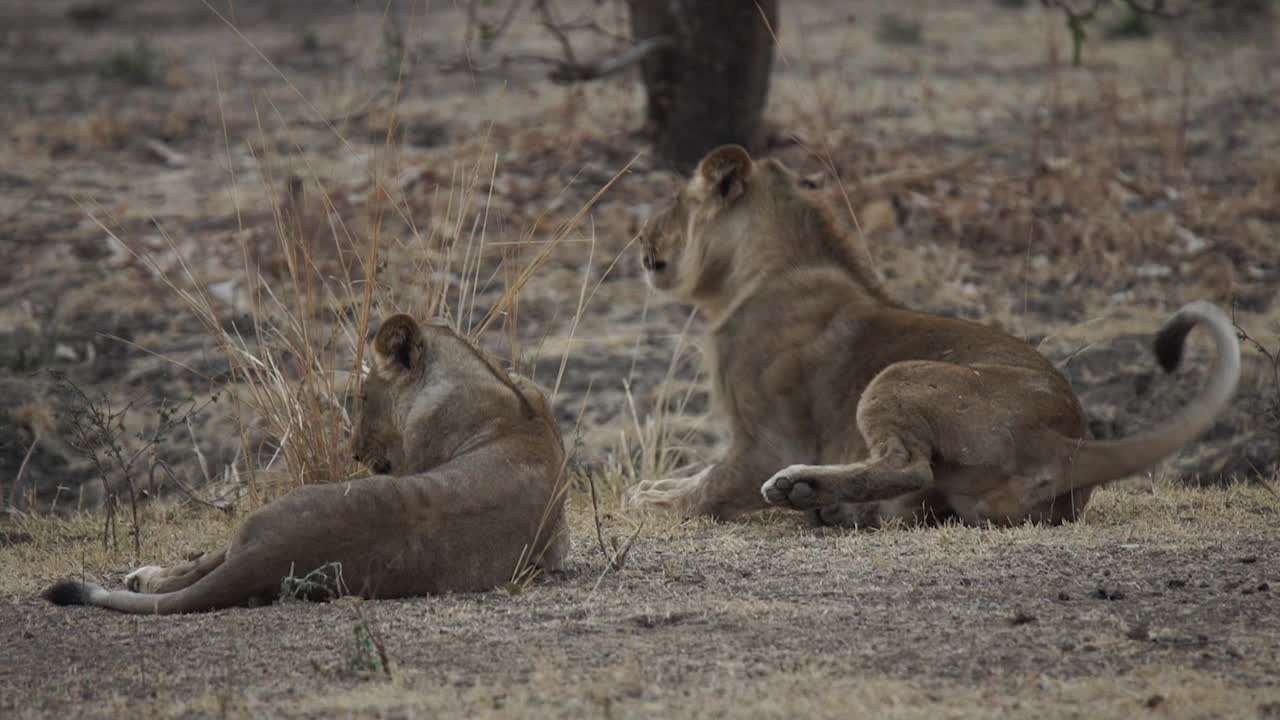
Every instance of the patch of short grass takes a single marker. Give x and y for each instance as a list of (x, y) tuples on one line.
[(895, 29), (310, 41), (37, 549), (91, 14), (139, 64), (1128, 25)]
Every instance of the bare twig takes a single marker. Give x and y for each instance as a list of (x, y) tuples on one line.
[(549, 22), (595, 514), (609, 66), (618, 557), (569, 67), (1273, 358), (1262, 480), (171, 157)]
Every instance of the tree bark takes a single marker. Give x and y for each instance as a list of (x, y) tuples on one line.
[(710, 86)]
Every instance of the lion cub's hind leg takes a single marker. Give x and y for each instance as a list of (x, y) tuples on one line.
[(1009, 508), (155, 579), (890, 418), (911, 415)]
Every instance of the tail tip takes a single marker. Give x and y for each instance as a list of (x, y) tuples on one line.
[(67, 592), (1169, 341), (1171, 338)]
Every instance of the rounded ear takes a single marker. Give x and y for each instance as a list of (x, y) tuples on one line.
[(813, 181), (724, 172), (398, 342)]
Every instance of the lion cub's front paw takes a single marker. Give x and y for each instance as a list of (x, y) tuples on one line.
[(670, 494), (793, 486), (140, 580)]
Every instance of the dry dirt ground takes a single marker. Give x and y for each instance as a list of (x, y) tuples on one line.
[(1075, 207), (1164, 604)]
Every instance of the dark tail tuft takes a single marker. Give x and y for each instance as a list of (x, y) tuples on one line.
[(67, 592), (1169, 341)]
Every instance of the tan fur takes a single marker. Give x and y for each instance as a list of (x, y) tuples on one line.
[(468, 494), (843, 403)]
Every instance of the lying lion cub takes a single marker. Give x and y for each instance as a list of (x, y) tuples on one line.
[(469, 491), (844, 403)]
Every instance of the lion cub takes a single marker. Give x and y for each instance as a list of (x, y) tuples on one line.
[(844, 403), (468, 493)]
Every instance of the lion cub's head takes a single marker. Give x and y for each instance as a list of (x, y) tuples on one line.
[(733, 216), (430, 392)]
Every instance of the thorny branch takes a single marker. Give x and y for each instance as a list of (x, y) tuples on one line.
[(490, 34), (1274, 411), (1273, 358), (549, 22), (97, 431)]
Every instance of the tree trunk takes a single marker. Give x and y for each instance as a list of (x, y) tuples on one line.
[(709, 87)]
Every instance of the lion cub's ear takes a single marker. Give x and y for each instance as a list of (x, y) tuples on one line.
[(724, 172), (398, 344), (813, 181)]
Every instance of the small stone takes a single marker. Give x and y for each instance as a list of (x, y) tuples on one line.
[(1022, 617), (63, 351), (224, 291)]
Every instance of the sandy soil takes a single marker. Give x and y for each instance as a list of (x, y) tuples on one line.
[(1075, 207)]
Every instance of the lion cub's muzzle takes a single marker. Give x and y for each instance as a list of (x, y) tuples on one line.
[(379, 466)]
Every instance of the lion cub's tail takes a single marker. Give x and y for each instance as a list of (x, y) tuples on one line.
[(228, 585), (1097, 462)]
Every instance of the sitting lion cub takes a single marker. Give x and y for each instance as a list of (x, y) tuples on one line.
[(842, 402), (468, 492)]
